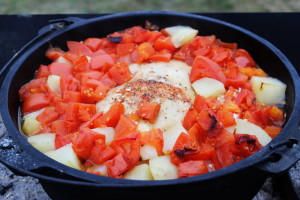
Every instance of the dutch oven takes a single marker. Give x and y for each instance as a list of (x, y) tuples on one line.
[(238, 181)]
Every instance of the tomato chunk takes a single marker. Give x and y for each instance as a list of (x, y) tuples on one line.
[(192, 168), (35, 102), (148, 111)]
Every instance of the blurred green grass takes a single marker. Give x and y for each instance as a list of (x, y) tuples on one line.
[(112, 6)]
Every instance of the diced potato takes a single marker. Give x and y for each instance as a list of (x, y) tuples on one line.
[(31, 126), (148, 152), (230, 129), (162, 168), (102, 169), (209, 87), (268, 91), (53, 83), (34, 114), (43, 142), (171, 135), (109, 133), (66, 156), (245, 127), (140, 172), (144, 126), (181, 35), (61, 59)]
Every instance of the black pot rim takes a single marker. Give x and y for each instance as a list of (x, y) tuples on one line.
[(260, 156)]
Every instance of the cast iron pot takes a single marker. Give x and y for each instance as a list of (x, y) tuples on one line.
[(239, 181)]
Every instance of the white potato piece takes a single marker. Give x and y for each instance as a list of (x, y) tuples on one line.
[(61, 59), (209, 87), (66, 156), (245, 127), (181, 35), (31, 126), (109, 133), (102, 169), (267, 90), (148, 152), (171, 135), (43, 142), (34, 114), (162, 168), (53, 83), (140, 172)]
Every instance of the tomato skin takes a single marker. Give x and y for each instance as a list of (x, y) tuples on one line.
[(148, 111), (205, 67), (35, 102), (111, 117), (60, 69), (192, 168)]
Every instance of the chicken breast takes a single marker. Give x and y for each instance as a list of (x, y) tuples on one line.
[(164, 83)]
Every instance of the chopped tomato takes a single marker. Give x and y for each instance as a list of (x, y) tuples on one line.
[(42, 72), (120, 73), (62, 140), (54, 53), (209, 123), (148, 111), (102, 62), (111, 117), (273, 131), (78, 48), (184, 149), (33, 87), (145, 51), (101, 153), (60, 69), (190, 119), (192, 168), (35, 102), (84, 142), (48, 115), (125, 49), (117, 165), (153, 137), (93, 43), (164, 43), (125, 126), (161, 56), (205, 67)]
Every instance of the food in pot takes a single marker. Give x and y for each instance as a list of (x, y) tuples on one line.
[(151, 104)]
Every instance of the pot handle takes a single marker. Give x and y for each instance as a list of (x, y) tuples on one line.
[(283, 154), (53, 26)]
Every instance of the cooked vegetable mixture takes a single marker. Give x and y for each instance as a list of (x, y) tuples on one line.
[(151, 104)]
